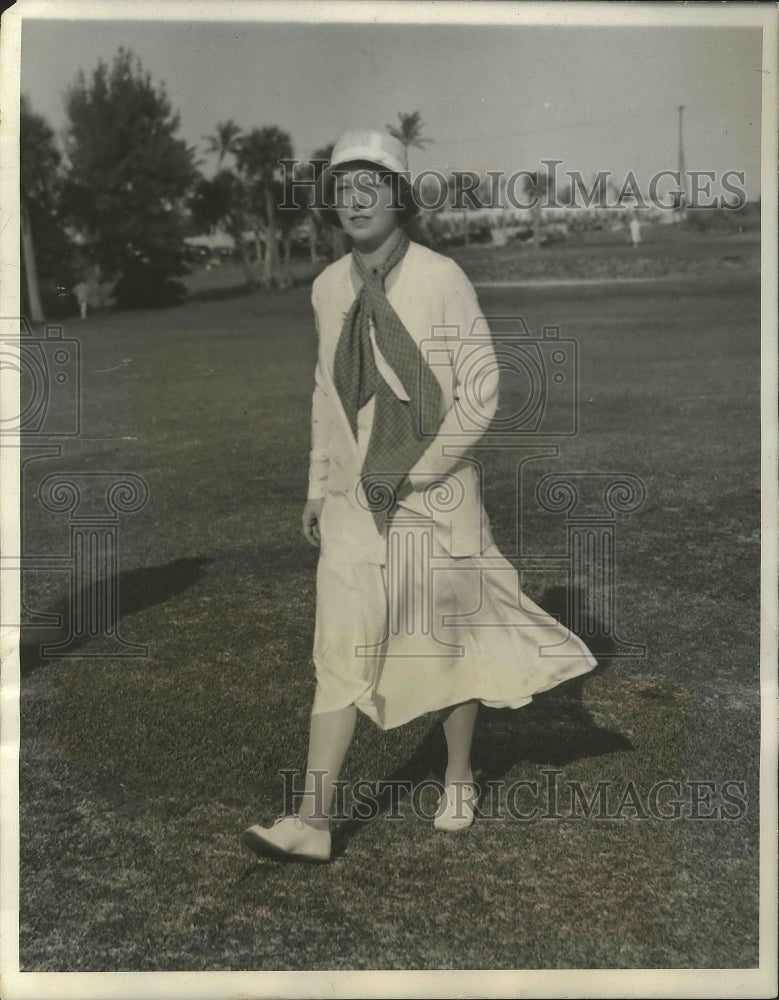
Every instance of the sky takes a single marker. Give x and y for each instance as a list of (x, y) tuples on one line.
[(491, 96)]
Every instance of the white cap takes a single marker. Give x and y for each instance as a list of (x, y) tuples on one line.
[(374, 146)]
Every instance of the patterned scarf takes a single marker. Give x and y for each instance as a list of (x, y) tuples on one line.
[(397, 441)]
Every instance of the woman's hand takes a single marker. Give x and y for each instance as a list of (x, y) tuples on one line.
[(312, 512)]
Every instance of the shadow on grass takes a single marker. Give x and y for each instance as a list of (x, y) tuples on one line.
[(138, 589), (554, 729)]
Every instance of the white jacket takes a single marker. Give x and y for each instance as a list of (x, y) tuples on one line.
[(438, 306)]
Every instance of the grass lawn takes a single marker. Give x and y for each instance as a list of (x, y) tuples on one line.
[(138, 774), (664, 252)]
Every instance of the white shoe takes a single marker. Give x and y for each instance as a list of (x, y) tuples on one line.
[(457, 806), (288, 839)]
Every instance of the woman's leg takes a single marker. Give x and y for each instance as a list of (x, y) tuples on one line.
[(329, 739), (306, 836), (459, 724), (457, 807)]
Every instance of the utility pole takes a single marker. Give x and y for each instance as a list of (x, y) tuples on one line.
[(682, 167)]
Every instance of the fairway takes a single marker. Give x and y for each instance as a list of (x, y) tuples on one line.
[(139, 773)]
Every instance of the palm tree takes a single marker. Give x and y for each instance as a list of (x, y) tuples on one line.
[(337, 237), (224, 142), (257, 156), (291, 219), (221, 201), (410, 130)]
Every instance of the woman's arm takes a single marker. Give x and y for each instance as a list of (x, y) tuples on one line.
[(321, 425), (319, 456)]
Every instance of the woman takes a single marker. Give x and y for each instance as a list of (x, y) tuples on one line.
[(417, 610)]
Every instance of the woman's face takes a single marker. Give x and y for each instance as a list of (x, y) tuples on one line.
[(363, 205)]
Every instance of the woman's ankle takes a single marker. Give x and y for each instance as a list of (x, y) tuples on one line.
[(315, 822), (458, 776)]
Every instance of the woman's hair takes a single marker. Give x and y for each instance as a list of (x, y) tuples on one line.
[(402, 193)]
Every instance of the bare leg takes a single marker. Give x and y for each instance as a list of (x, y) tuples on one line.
[(306, 836), (458, 729), (330, 736)]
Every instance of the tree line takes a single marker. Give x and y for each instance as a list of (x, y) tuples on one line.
[(113, 203)]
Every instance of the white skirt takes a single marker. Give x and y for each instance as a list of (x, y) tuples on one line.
[(425, 632)]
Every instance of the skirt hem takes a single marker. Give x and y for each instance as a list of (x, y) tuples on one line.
[(369, 708)]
